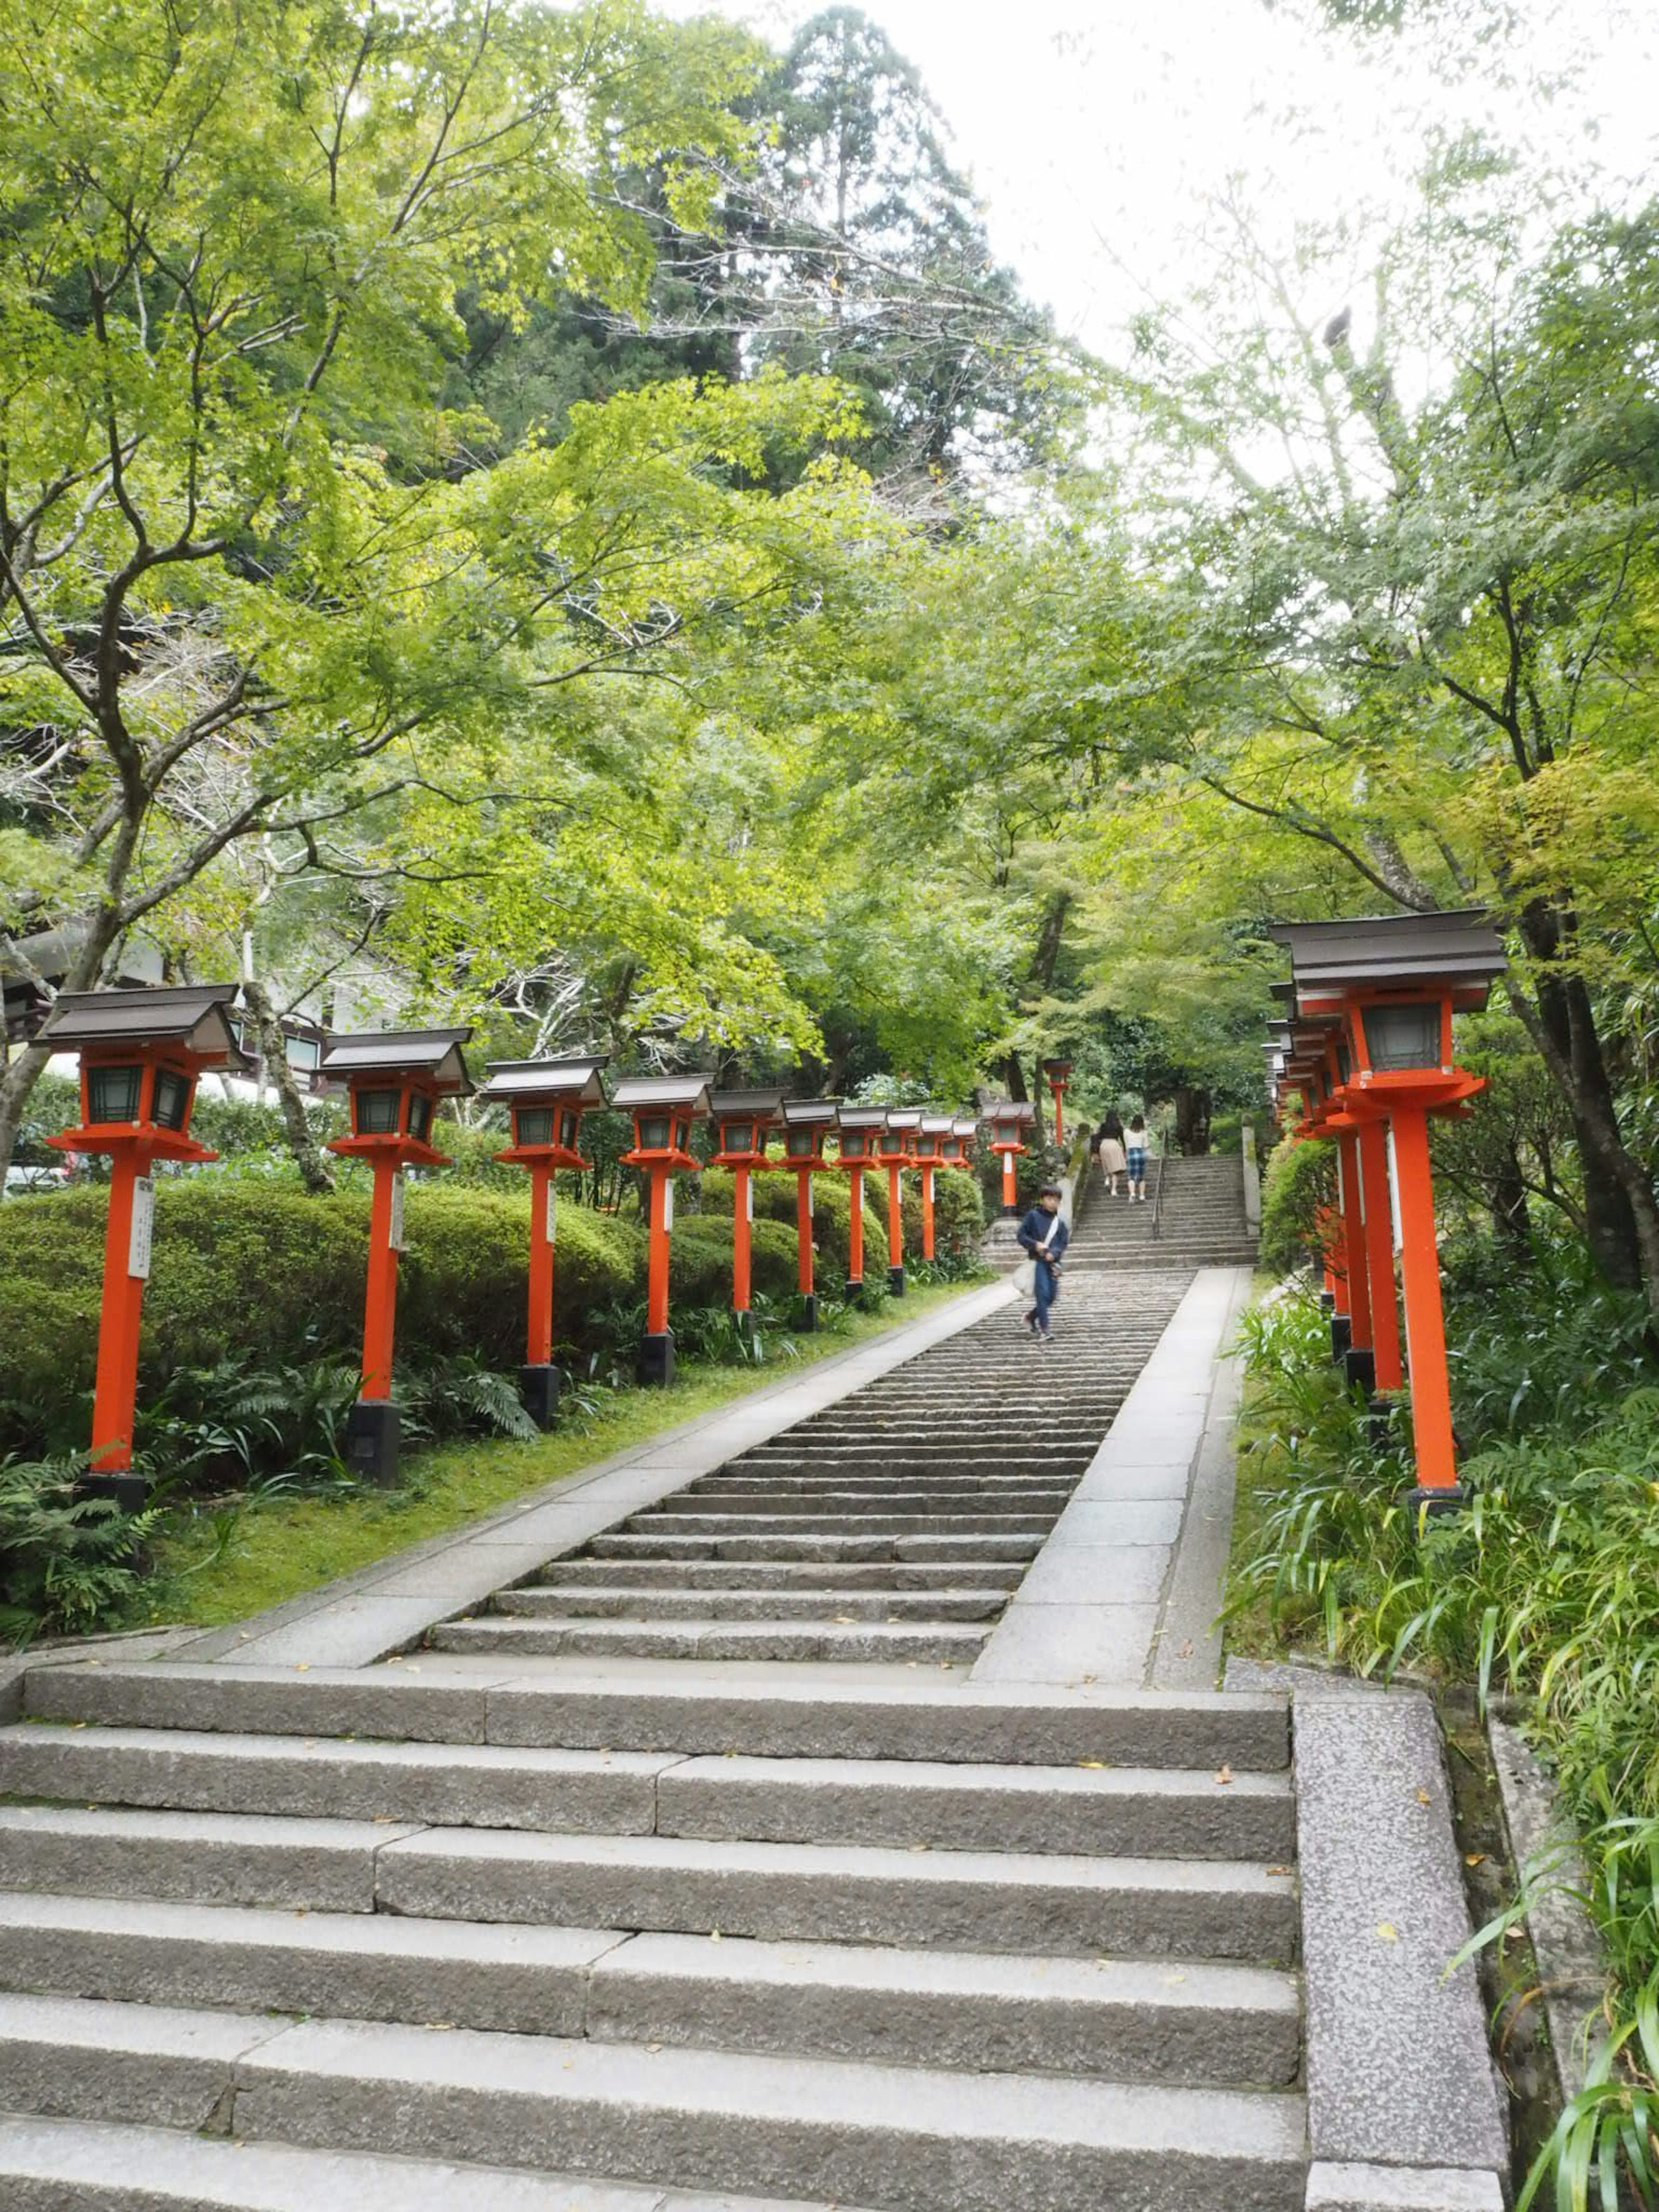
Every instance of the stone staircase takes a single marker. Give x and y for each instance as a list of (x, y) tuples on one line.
[(511, 1925), (892, 1526), (1201, 1223)]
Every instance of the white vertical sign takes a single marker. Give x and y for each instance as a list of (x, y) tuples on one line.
[(809, 1198), (143, 1228), (667, 1203), (396, 1239), (552, 1213), (748, 1197), (1394, 1195)]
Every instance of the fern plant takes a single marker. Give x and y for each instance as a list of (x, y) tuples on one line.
[(68, 1562)]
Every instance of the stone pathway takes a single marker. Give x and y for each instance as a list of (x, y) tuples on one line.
[(757, 1843)]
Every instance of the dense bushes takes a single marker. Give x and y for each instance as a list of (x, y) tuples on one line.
[(1301, 1182), (1545, 1587)]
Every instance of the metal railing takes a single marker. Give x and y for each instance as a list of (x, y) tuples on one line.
[(1158, 1197)]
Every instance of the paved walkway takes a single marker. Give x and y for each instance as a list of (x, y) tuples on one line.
[(966, 1924)]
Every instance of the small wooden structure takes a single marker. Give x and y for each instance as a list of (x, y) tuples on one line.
[(806, 1123), (546, 1100), (937, 1132), (895, 1149), (1010, 1119), (1058, 1073), (857, 1130), (395, 1079), (142, 1052), (746, 1119), (663, 1107)]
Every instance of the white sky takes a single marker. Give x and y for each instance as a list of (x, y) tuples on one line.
[(1095, 129)]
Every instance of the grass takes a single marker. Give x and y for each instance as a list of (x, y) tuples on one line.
[(233, 1558)]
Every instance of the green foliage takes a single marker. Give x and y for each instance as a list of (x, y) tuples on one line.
[(1546, 1588), (66, 1560), (1300, 1184)]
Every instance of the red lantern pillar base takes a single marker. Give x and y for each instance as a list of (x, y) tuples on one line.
[(1425, 1328), (896, 1233), (1433, 1500), (809, 1313), (740, 1249), (371, 1440), (656, 1361), (1010, 1189), (855, 1236), (539, 1386), (928, 1213)]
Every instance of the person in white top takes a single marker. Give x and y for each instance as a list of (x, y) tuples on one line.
[(1109, 1148), (1138, 1139)]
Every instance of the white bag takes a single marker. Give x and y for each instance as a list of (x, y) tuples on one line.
[(1025, 1278)]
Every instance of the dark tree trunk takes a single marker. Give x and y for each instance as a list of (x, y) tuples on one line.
[(1192, 1104), (1579, 1066), (1507, 1201)]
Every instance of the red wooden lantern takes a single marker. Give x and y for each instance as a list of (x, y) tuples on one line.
[(806, 1123), (1058, 1072), (395, 1078), (1377, 996), (937, 1132), (1010, 1118), (746, 1119), (855, 1141), (664, 1107), (141, 1054), (546, 1099), (964, 1135), (894, 1150)]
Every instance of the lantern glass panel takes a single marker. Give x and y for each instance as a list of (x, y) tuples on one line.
[(171, 1098), (1404, 1037), (532, 1125), (653, 1131), (739, 1137), (377, 1113), (798, 1143), (569, 1127), (1344, 1060), (420, 1115), (851, 1144), (113, 1093)]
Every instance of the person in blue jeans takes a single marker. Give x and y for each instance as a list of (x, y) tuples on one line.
[(1045, 1237)]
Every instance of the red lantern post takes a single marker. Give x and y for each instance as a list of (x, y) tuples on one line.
[(395, 1078), (746, 1120), (547, 1099), (937, 1133), (806, 1123), (141, 1054), (1010, 1119), (855, 1141), (1058, 1072), (1386, 990), (894, 1149), (664, 1107)]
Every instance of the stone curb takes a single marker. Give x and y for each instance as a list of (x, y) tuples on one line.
[(1344, 2188), (1400, 2073), (1544, 1846)]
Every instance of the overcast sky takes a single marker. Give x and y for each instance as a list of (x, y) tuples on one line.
[(1095, 129)]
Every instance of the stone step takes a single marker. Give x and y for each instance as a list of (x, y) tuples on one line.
[(763, 1574), (327, 1779), (858, 1643), (597, 1603), (638, 1544), (205, 1858), (767, 1495), (781, 1718), (1130, 2018), (660, 1520), (1028, 1461), (521, 1980), (87, 2166), (1054, 1903), (905, 2138), (1075, 1811)]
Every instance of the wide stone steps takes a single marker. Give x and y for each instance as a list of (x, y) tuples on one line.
[(866, 1642), (904, 2137), (86, 2166), (745, 1521), (640, 1544), (775, 1575), (1130, 2019), (549, 1600)]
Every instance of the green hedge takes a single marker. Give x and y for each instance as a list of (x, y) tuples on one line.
[(1301, 1181), (775, 1201), (250, 1263)]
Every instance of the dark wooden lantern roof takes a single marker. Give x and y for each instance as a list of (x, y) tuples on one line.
[(573, 1081), (433, 1054), (195, 1017)]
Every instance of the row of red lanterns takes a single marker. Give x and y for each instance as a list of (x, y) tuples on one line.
[(143, 1052)]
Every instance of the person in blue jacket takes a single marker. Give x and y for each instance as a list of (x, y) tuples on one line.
[(1044, 1236)]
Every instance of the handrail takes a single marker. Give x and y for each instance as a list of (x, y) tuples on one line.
[(1158, 1197)]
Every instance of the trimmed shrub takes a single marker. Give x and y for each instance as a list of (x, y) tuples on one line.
[(1301, 1182), (832, 1210)]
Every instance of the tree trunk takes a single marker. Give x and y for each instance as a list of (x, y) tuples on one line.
[(1615, 1184), (1507, 1201), (309, 1157)]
